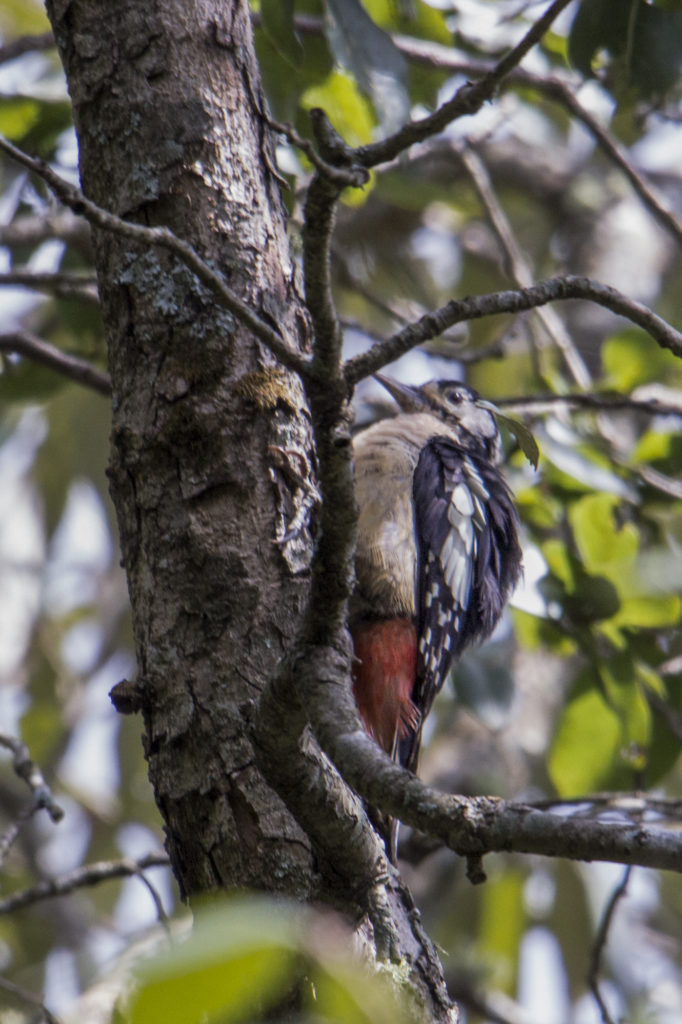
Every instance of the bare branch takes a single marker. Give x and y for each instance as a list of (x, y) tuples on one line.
[(656, 205), (473, 308), (467, 100), (660, 481), (492, 1007), (600, 943), (81, 878), (538, 405), (30, 773), (27, 997), (518, 265), (33, 229), (473, 826), (353, 177), (72, 197), (671, 717), (435, 55), (25, 44), (31, 347), (438, 56), (632, 806), (63, 285)]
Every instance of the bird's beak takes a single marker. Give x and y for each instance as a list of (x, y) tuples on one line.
[(490, 406), (407, 398)]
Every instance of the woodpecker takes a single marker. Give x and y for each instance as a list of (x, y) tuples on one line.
[(437, 553)]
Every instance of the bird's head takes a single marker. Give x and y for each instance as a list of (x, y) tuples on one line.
[(459, 406)]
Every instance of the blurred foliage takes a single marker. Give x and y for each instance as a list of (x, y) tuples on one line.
[(250, 958), (593, 646)]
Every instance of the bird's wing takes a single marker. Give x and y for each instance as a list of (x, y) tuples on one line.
[(468, 561)]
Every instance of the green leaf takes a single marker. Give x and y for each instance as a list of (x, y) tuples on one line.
[(535, 633), (344, 105), (373, 58), (501, 925), (559, 561), (23, 17), (622, 687), (604, 546), (629, 358), (643, 42), (17, 117), (593, 599), (246, 954), (278, 24), (523, 435), (649, 612), (539, 508), (238, 960), (587, 743)]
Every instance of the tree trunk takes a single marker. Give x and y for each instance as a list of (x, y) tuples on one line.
[(211, 446), (167, 108)]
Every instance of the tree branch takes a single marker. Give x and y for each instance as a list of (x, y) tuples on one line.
[(30, 773), (474, 826), (25, 44), (600, 943), (81, 878), (27, 997), (352, 177), (31, 347), (537, 405), (519, 268), (436, 55), (473, 308), (72, 197), (467, 100), (32, 229), (62, 284)]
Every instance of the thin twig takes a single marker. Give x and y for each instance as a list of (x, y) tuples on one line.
[(492, 1007), (9, 836), (164, 237), (438, 56), (538, 405), (671, 717), (31, 347), (27, 997), (352, 177), (467, 100), (635, 805), (83, 877), (600, 943), (660, 481), (318, 226), (32, 229), (519, 267), (473, 308), (138, 872), (30, 773), (25, 44), (63, 285)]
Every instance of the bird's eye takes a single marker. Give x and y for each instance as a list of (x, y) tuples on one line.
[(455, 396)]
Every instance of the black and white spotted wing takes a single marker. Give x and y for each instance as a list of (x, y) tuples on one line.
[(469, 560)]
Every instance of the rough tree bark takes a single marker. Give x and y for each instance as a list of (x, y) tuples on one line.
[(211, 461), (166, 100)]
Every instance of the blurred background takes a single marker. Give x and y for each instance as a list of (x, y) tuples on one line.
[(569, 171)]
